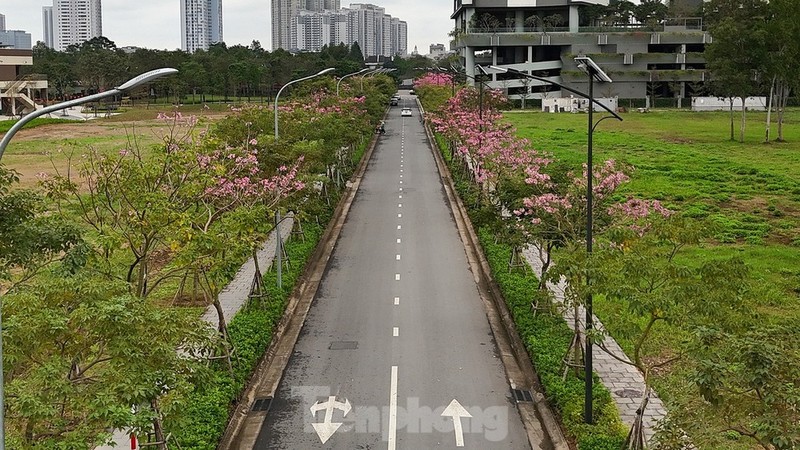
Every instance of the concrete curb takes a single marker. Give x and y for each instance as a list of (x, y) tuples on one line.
[(242, 429), (516, 360)]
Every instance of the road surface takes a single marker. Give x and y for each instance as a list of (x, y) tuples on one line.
[(396, 351)]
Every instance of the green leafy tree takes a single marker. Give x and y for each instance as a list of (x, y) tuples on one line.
[(29, 240), (650, 12), (85, 356), (643, 270), (752, 378), (737, 56)]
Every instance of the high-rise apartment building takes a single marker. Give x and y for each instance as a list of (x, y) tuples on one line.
[(283, 11), (316, 23), (74, 22), (2, 22), (201, 24), (48, 35)]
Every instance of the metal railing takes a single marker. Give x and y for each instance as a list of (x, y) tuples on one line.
[(685, 23)]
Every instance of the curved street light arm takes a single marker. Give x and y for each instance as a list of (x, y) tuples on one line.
[(128, 85), (321, 72), (545, 80), (348, 75), (594, 127)]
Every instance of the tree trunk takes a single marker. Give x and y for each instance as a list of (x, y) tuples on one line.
[(158, 428), (223, 331), (257, 280), (744, 118), (732, 130), (769, 110), (545, 266), (783, 98)]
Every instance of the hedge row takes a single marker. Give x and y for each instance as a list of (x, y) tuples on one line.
[(547, 338)]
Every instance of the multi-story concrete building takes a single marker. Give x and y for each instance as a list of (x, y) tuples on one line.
[(283, 11), (73, 22), (664, 59), (201, 24), (313, 24), (18, 93), (15, 39), (399, 37), (437, 51), (48, 33)]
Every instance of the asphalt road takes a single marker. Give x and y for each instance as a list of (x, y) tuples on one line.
[(397, 335)]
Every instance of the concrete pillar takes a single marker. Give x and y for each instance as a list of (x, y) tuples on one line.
[(469, 62), (470, 65), (574, 18), (519, 21), (530, 53)]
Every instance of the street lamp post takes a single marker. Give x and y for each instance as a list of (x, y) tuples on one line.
[(321, 72), (349, 75), (127, 86), (595, 74)]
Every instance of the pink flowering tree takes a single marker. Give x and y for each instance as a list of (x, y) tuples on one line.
[(556, 215)]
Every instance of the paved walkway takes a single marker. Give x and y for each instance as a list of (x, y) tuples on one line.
[(624, 381), (235, 294), (232, 298)]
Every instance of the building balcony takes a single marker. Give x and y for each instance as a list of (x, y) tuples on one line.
[(633, 76)]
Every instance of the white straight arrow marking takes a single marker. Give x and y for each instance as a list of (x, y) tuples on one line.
[(456, 411)]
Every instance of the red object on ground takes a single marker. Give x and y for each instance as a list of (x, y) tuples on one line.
[(133, 442)]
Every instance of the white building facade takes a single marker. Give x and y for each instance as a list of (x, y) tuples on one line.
[(377, 33), (74, 22), (48, 36), (201, 24)]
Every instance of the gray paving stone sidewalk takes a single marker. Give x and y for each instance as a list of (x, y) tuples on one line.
[(232, 298), (235, 294), (624, 381)]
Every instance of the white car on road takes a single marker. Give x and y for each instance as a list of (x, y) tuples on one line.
[(405, 112)]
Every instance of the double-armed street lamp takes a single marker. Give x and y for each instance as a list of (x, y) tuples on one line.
[(127, 86), (595, 74), (349, 75), (321, 72)]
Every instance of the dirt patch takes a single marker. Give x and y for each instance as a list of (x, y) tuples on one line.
[(746, 206), (677, 140)]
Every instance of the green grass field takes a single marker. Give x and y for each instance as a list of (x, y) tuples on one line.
[(750, 191)]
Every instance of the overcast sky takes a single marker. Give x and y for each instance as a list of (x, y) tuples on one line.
[(156, 23)]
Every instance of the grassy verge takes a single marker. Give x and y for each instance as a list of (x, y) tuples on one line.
[(6, 125), (547, 338)]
